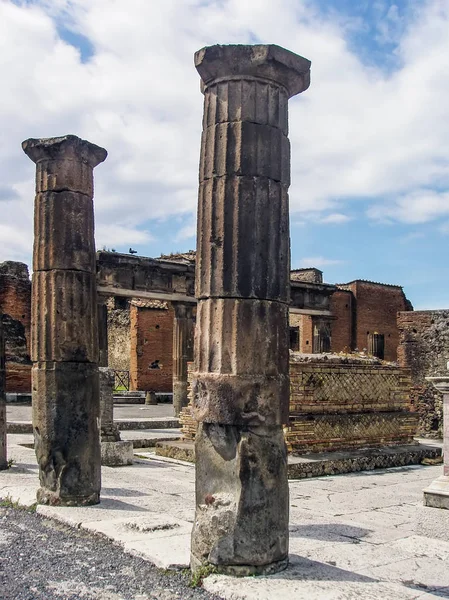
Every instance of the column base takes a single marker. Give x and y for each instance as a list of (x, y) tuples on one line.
[(44, 496), (241, 570), (242, 500), (116, 454), (437, 494)]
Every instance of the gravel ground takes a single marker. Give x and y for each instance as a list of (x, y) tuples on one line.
[(41, 559)]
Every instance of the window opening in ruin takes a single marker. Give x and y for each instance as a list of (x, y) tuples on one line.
[(120, 302), (294, 339), (376, 345)]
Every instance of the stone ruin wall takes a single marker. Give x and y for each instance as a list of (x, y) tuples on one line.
[(424, 349), (341, 403), (119, 340), (15, 303)]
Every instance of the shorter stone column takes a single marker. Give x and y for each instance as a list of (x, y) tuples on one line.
[(3, 461), (183, 332), (437, 494), (114, 451)]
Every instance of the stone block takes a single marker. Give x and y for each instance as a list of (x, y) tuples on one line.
[(117, 454), (67, 438), (65, 223), (437, 494), (242, 498)]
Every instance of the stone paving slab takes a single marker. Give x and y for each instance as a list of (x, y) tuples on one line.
[(363, 536)]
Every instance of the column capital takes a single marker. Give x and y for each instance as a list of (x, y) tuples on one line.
[(66, 147), (64, 163), (262, 61)]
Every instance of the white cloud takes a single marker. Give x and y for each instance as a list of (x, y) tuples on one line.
[(359, 133), (318, 261), (335, 218)]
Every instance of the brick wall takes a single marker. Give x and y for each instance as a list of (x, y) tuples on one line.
[(338, 403), (424, 349), (15, 303), (376, 307), (342, 404), (151, 340), (341, 325)]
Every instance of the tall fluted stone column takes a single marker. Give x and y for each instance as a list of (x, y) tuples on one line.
[(437, 494), (3, 459), (64, 335), (240, 380), (183, 332)]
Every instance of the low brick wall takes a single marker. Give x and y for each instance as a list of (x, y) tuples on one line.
[(340, 403), (343, 403)]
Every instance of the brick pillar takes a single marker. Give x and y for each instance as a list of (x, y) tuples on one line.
[(240, 380), (182, 352), (3, 461), (64, 335)]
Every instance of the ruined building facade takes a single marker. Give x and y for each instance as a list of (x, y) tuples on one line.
[(359, 315)]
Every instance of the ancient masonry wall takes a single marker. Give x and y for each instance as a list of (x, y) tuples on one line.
[(119, 339), (424, 349), (151, 340), (376, 307), (345, 404), (15, 303), (305, 324)]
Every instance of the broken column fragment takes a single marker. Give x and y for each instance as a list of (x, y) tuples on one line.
[(3, 459), (64, 335), (183, 332), (114, 451), (240, 380)]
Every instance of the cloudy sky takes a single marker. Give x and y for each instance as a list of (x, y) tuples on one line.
[(370, 138)]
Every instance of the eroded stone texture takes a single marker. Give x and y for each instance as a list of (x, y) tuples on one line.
[(64, 333), (183, 331), (240, 381), (3, 461)]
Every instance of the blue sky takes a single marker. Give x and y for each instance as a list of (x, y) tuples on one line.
[(370, 165)]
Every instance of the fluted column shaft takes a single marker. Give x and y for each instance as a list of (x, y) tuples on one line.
[(240, 379), (183, 330), (64, 328), (102, 309), (3, 456)]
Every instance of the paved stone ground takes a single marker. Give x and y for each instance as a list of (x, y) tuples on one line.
[(363, 536), (22, 412)]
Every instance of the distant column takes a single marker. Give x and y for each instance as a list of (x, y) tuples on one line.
[(183, 331), (3, 460), (240, 379), (437, 494), (64, 330)]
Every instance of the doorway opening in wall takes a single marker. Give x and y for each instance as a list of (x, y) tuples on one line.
[(376, 345), (294, 339), (321, 337)]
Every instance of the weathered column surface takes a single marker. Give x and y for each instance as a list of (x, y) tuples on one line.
[(102, 309), (437, 494), (240, 380), (64, 334), (183, 332), (114, 451), (3, 459)]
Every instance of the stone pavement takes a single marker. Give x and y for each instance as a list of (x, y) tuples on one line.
[(365, 535)]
